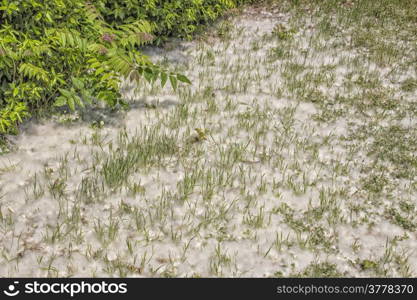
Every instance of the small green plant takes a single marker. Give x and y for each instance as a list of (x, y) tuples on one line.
[(324, 269), (367, 264), (200, 136), (224, 30), (282, 32)]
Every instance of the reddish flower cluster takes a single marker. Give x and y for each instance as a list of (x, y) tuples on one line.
[(103, 50), (108, 37), (146, 37)]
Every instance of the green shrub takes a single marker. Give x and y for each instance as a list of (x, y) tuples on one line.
[(169, 17), (62, 52)]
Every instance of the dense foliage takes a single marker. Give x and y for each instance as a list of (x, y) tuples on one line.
[(170, 17), (73, 52)]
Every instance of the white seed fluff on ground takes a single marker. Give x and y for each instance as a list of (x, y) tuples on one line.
[(272, 191)]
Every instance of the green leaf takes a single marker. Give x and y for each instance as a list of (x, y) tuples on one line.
[(49, 18), (106, 76), (63, 39), (78, 101), (66, 93), (174, 82), (99, 71), (155, 75), (95, 64), (38, 16), (70, 39), (164, 78), (183, 78), (148, 75), (78, 83), (87, 96)]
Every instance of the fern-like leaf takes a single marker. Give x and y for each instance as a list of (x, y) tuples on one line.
[(32, 71)]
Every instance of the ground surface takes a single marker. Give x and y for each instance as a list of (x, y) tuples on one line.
[(292, 154)]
